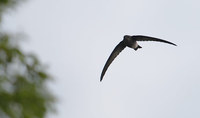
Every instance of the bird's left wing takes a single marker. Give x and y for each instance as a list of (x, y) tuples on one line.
[(147, 38), (113, 55)]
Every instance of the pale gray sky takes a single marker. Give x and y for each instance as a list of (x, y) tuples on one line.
[(75, 38)]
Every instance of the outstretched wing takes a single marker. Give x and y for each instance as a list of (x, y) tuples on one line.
[(113, 55), (147, 38)]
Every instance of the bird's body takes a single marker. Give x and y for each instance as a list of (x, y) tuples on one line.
[(129, 41)]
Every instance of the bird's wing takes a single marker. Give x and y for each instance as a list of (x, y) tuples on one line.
[(113, 55), (147, 38)]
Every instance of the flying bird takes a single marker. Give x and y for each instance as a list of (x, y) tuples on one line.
[(131, 42)]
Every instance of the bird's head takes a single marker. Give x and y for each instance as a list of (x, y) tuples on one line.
[(126, 36)]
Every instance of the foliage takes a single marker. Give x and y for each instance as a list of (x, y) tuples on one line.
[(23, 93), (22, 83), (6, 5)]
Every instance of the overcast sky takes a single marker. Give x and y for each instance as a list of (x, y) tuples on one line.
[(75, 37)]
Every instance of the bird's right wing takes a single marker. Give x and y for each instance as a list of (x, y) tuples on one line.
[(148, 38), (113, 55)]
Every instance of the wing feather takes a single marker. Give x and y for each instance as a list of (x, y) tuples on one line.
[(147, 38), (113, 55)]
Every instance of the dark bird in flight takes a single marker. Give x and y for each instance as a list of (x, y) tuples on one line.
[(131, 42)]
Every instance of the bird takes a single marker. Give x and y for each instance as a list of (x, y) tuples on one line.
[(131, 42)]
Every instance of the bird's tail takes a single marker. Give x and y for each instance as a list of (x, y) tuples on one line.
[(138, 47)]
